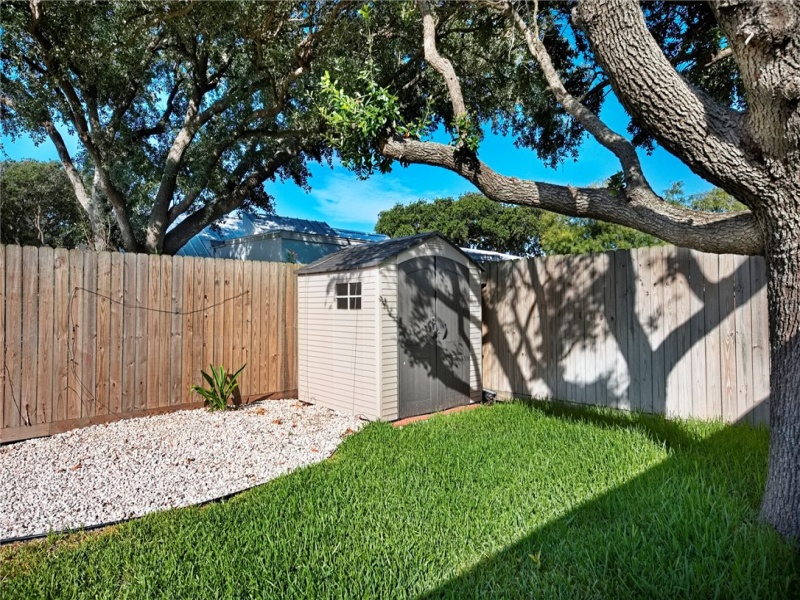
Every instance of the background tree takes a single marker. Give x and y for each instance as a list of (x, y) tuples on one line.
[(472, 221), (572, 235), (715, 200), (560, 234), (182, 110), (38, 208), (716, 84)]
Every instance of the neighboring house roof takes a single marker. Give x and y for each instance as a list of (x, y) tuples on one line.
[(246, 225), (263, 224), (360, 235), (480, 256), (245, 228), (199, 245), (370, 255)]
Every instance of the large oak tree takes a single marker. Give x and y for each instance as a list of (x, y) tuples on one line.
[(182, 110), (717, 84)]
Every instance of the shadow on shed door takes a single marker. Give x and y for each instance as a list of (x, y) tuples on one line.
[(433, 336)]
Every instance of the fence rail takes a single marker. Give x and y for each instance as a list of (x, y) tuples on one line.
[(89, 337), (664, 330)]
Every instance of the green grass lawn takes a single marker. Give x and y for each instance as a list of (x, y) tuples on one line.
[(508, 501)]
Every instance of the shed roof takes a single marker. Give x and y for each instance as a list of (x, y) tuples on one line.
[(370, 255)]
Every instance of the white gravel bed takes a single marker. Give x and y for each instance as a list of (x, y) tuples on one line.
[(137, 466)]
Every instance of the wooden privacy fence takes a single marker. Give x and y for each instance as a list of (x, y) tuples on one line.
[(664, 330), (88, 337)]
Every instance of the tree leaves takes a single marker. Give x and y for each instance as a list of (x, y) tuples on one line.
[(471, 221), (37, 206)]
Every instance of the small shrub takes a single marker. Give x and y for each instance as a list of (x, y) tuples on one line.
[(222, 386)]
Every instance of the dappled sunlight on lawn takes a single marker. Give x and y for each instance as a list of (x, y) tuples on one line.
[(514, 500)]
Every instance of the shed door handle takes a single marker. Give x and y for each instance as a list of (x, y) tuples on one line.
[(433, 328)]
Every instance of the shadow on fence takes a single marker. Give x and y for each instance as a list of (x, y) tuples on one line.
[(663, 330)]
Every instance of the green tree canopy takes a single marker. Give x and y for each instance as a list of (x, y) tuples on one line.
[(38, 208), (182, 110), (572, 235), (471, 221)]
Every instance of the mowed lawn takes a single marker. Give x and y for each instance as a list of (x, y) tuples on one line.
[(514, 500)]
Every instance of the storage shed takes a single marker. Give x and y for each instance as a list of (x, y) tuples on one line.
[(390, 329)]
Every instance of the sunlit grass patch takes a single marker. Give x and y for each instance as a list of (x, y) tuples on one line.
[(515, 500)]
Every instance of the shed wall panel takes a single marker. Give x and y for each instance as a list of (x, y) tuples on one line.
[(338, 349), (388, 312)]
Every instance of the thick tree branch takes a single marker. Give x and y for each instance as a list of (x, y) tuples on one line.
[(75, 179), (88, 200), (195, 222), (617, 144), (157, 223), (442, 65), (120, 206), (764, 38), (706, 136), (181, 207), (733, 234)]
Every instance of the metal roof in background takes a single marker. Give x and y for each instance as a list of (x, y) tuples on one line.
[(243, 225), (360, 235), (482, 256), (268, 224)]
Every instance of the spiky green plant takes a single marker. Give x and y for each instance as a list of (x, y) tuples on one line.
[(222, 386)]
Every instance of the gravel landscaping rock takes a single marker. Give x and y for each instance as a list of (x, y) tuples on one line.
[(132, 467)]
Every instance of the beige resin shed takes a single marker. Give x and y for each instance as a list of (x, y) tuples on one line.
[(391, 329)]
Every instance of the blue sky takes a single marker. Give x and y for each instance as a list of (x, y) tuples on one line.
[(340, 198)]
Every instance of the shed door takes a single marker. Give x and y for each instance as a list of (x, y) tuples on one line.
[(433, 335)]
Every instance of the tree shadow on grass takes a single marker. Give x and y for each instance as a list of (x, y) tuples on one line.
[(663, 533), (512, 501)]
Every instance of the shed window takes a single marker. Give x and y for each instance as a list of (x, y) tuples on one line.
[(348, 296)]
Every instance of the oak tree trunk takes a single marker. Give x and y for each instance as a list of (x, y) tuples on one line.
[(781, 502)]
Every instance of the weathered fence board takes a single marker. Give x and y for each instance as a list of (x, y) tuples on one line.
[(30, 325), (664, 330), (44, 370), (89, 337), (12, 369), (116, 332)]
